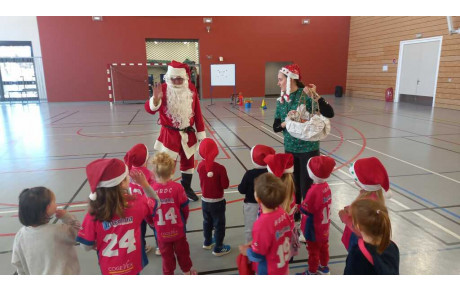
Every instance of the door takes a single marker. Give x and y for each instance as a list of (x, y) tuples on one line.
[(418, 70), (17, 72)]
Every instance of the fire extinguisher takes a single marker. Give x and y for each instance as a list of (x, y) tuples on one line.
[(389, 95)]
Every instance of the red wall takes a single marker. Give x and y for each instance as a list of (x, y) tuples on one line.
[(76, 50)]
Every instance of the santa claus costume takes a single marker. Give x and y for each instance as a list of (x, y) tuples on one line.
[(315, 209), (179, 109)]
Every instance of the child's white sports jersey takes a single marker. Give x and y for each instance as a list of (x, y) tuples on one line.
[(118, 242), (271, 243)]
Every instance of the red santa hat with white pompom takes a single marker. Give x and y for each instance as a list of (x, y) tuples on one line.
[(371, 175), (105, 173), (279, 164), (258, 154), (208, 152), (320, 168), (176, 69)]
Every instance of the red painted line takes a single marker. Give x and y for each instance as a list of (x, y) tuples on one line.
[(115, 136), (79, 210), (212, 134), (41, 170), (360, 151), (7, 234), (341, 140), (73, 203), (7, 204)]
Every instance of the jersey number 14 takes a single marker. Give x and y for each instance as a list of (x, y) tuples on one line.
[(170, 215)]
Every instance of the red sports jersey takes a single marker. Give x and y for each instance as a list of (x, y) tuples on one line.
[(118, 242), (316, 209), (136, 189), (271, 243), (171, 217)]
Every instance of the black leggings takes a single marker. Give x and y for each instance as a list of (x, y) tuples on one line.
[(302, 181)]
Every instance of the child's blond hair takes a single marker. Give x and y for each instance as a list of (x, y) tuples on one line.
[(163, 165), (372, 218), (290, 189), (363, 194)]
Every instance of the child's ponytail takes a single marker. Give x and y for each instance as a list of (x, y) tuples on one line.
[(290, 189), (385, 229), (372, 218)]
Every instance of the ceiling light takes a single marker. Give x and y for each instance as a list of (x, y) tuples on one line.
[(306, 21), (207, 19), (97, 18)]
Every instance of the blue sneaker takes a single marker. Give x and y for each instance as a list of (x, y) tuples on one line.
[(208, 247), (306, 273), (323, 270), (225, 249)]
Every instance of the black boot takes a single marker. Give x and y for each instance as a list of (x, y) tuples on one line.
[(186, 182)]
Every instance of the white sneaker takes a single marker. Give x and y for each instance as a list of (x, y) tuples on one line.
[(157, 252), (148, 248), (302, 238)]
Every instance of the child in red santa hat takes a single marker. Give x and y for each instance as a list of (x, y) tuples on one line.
[(246, 187), (371, 177), (136, 158), (112, 224), (315, 211), (213, 181), (282, 166)]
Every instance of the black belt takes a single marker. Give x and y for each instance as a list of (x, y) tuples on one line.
[(187, 129)]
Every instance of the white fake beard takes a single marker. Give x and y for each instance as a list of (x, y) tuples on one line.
[(179, 99)]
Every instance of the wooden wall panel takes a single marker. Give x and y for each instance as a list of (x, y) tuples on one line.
[(374, 42)]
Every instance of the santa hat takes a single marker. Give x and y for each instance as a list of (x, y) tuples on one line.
[(137, 156), (370, 174), (178, 70), (292, 72), (208, 152), (105, 173), (258, 154), (279, 164), (320, 168)]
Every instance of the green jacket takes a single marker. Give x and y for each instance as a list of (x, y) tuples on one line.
[(292, 144)]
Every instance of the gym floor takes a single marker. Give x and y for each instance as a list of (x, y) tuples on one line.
[(49, 144)]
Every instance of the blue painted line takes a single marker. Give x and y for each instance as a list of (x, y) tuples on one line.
[(425, 200), (405, 190)]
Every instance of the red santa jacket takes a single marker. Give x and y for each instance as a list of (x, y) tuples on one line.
[(170, 140)]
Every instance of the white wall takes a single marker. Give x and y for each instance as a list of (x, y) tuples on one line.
[(25, 28)]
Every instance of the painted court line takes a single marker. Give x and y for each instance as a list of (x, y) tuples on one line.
[(389, 156), (428, 220), (448, 231)]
